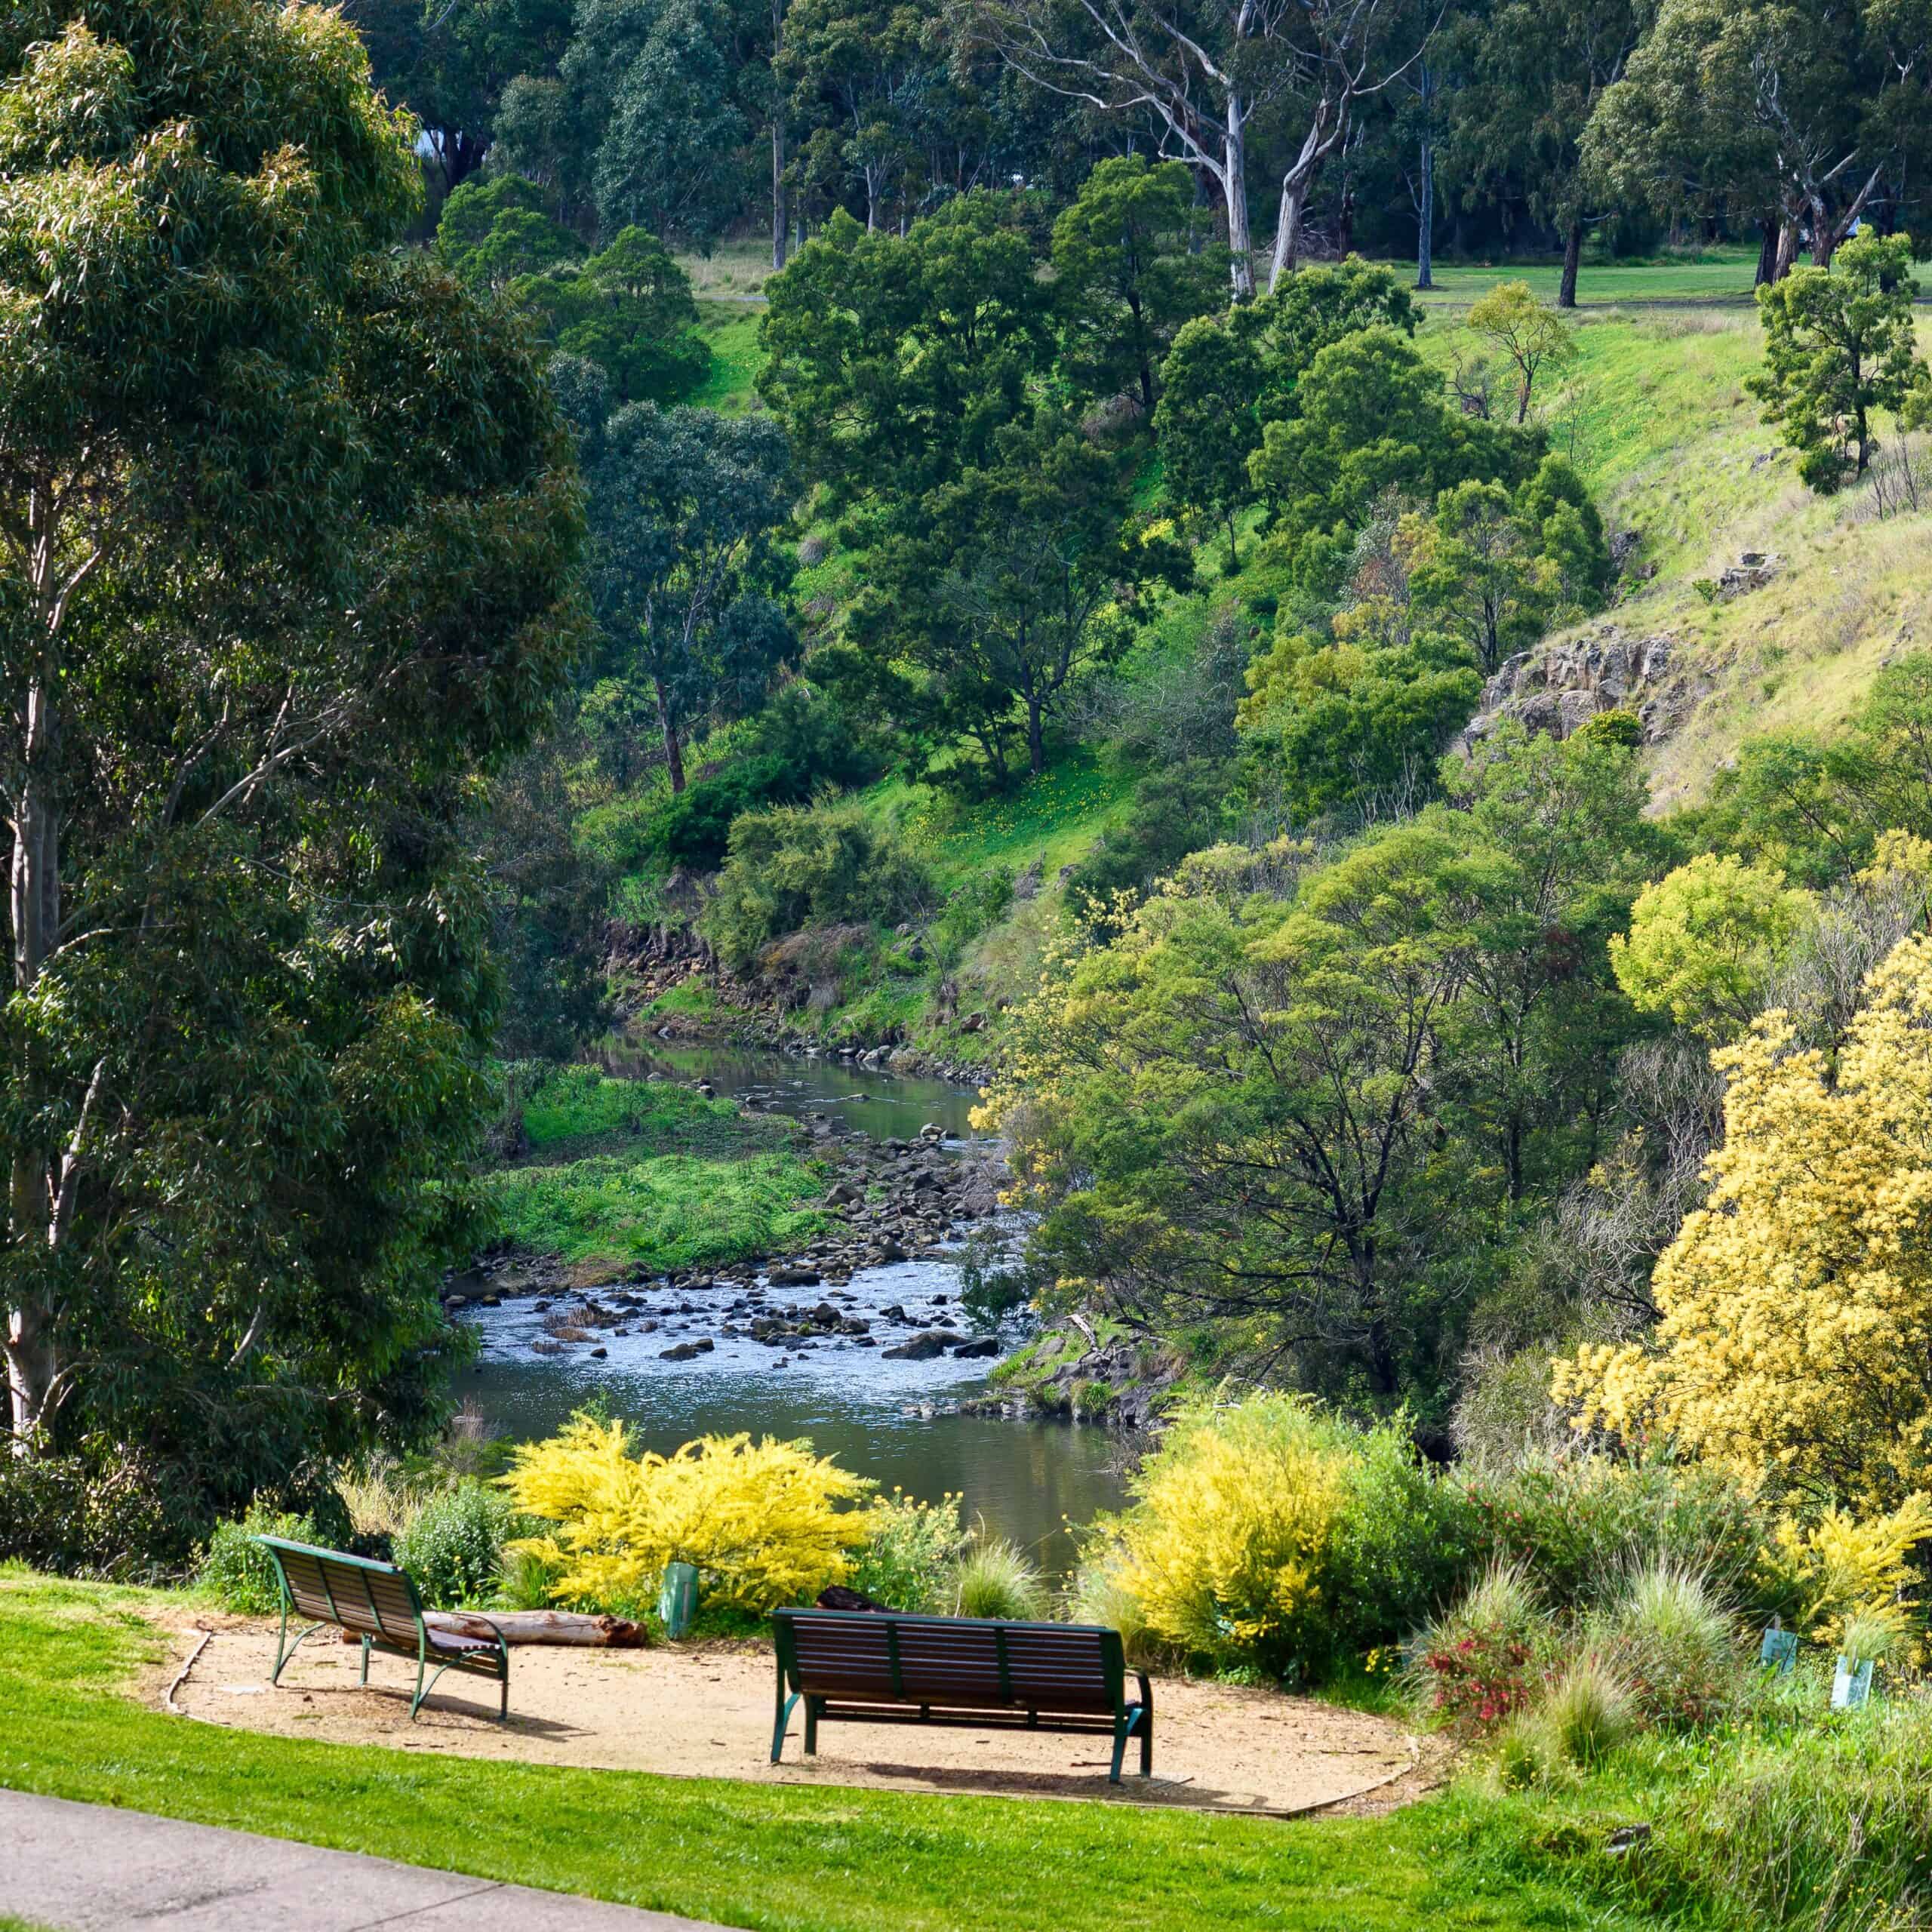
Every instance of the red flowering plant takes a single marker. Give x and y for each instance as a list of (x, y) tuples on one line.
[(1483, 1662)]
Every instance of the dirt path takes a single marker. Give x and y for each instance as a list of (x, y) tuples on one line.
[(707, 1711)]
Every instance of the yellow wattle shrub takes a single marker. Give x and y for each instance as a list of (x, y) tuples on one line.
[(1842, 1566), (1232, 1515), (765, 1524)]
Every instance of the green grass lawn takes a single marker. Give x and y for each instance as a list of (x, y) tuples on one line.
[(652, 1175), (731, 328), (1713, 276), (790, 1860)]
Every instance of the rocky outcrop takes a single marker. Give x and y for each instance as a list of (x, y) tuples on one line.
[(1562, 684)]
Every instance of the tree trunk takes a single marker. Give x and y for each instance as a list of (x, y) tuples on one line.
[(781, 216), (1573, 253), (1767, 254), (1036, 738), (1234, 193), (1787, 247), (674, 753), (1297, 184), (542, 1626), (33, 1361), (1426, 219)]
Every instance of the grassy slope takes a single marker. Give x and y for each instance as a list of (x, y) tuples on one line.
[(653, 1175), (1656, 415), (757, 1857)]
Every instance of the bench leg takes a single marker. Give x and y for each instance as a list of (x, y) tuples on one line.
[(786, 1707), (503, 1710), (813, 1706), (365, 1660), (1134, 1718)]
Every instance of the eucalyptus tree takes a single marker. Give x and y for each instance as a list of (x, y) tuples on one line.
[(286, 528), (687, 507)]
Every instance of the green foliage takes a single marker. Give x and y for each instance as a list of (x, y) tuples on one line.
[(911, 1554), (1579, 1528), (308, 533), (1271, 1532), (688, 509), (796, 866), (238, 1572), (1533, 337), (1839, 346), (1206, 425), (1276, 1057), (626, 308), (102, 1510), (996, 1578), (454, 1545), (983, 901), (1677, 1649), (1370, 417), (1816, 808), (1176, 811), (1705, 941), (1587, 1713), (657, 1212), (1000, 589), (1127, 274), (892, 363)]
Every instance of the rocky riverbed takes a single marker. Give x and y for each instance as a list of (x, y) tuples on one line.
[(895, 1201)]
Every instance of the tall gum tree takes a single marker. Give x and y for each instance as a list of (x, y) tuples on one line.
[(287, 528)]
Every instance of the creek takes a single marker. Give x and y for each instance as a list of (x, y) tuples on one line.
[(891, 1420)]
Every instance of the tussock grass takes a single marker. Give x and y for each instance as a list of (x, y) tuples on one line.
[(996, 1578)]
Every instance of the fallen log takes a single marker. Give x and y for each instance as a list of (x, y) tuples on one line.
[(543, 1626)]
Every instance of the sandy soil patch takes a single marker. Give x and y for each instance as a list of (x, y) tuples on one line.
[(707, 1711)]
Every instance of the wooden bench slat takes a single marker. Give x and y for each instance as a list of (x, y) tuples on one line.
[(883, 1667)]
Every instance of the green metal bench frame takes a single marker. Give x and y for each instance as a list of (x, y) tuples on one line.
[(886, 1700), (357, 1611)]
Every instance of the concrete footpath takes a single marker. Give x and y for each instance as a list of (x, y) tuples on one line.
[(89, 1867)]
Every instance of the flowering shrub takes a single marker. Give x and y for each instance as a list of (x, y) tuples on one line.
[(1478, 1666), (1842, 1566), (908, 1561), (765, 1523)]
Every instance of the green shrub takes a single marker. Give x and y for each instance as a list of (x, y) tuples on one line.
[(1675, 1645), (982, 902), (238, 1572), (996, 1578), (1580, 1524), (1587, 1713), (454, 1547), (794, 867), (1098, 1595), (106, 1512), (907, 1564), (1274, 1533)]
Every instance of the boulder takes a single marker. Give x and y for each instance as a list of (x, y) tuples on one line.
[(918, 1348)]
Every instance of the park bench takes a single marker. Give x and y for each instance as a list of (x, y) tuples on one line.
[(878, 1667), (378, 1603)]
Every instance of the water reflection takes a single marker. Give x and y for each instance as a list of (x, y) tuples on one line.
[(885, 1106)]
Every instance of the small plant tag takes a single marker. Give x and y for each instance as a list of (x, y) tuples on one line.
[(1851, 1685), (1778, 1653)]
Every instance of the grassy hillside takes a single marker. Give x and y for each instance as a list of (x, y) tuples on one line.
[(1655, 413)]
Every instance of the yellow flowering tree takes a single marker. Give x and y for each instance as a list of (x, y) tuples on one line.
[(765, 1523), (1796, 1342)]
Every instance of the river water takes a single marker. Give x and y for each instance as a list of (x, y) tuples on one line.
[(889, 1420)]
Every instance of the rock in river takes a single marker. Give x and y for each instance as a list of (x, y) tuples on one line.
[(920, 1348)]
